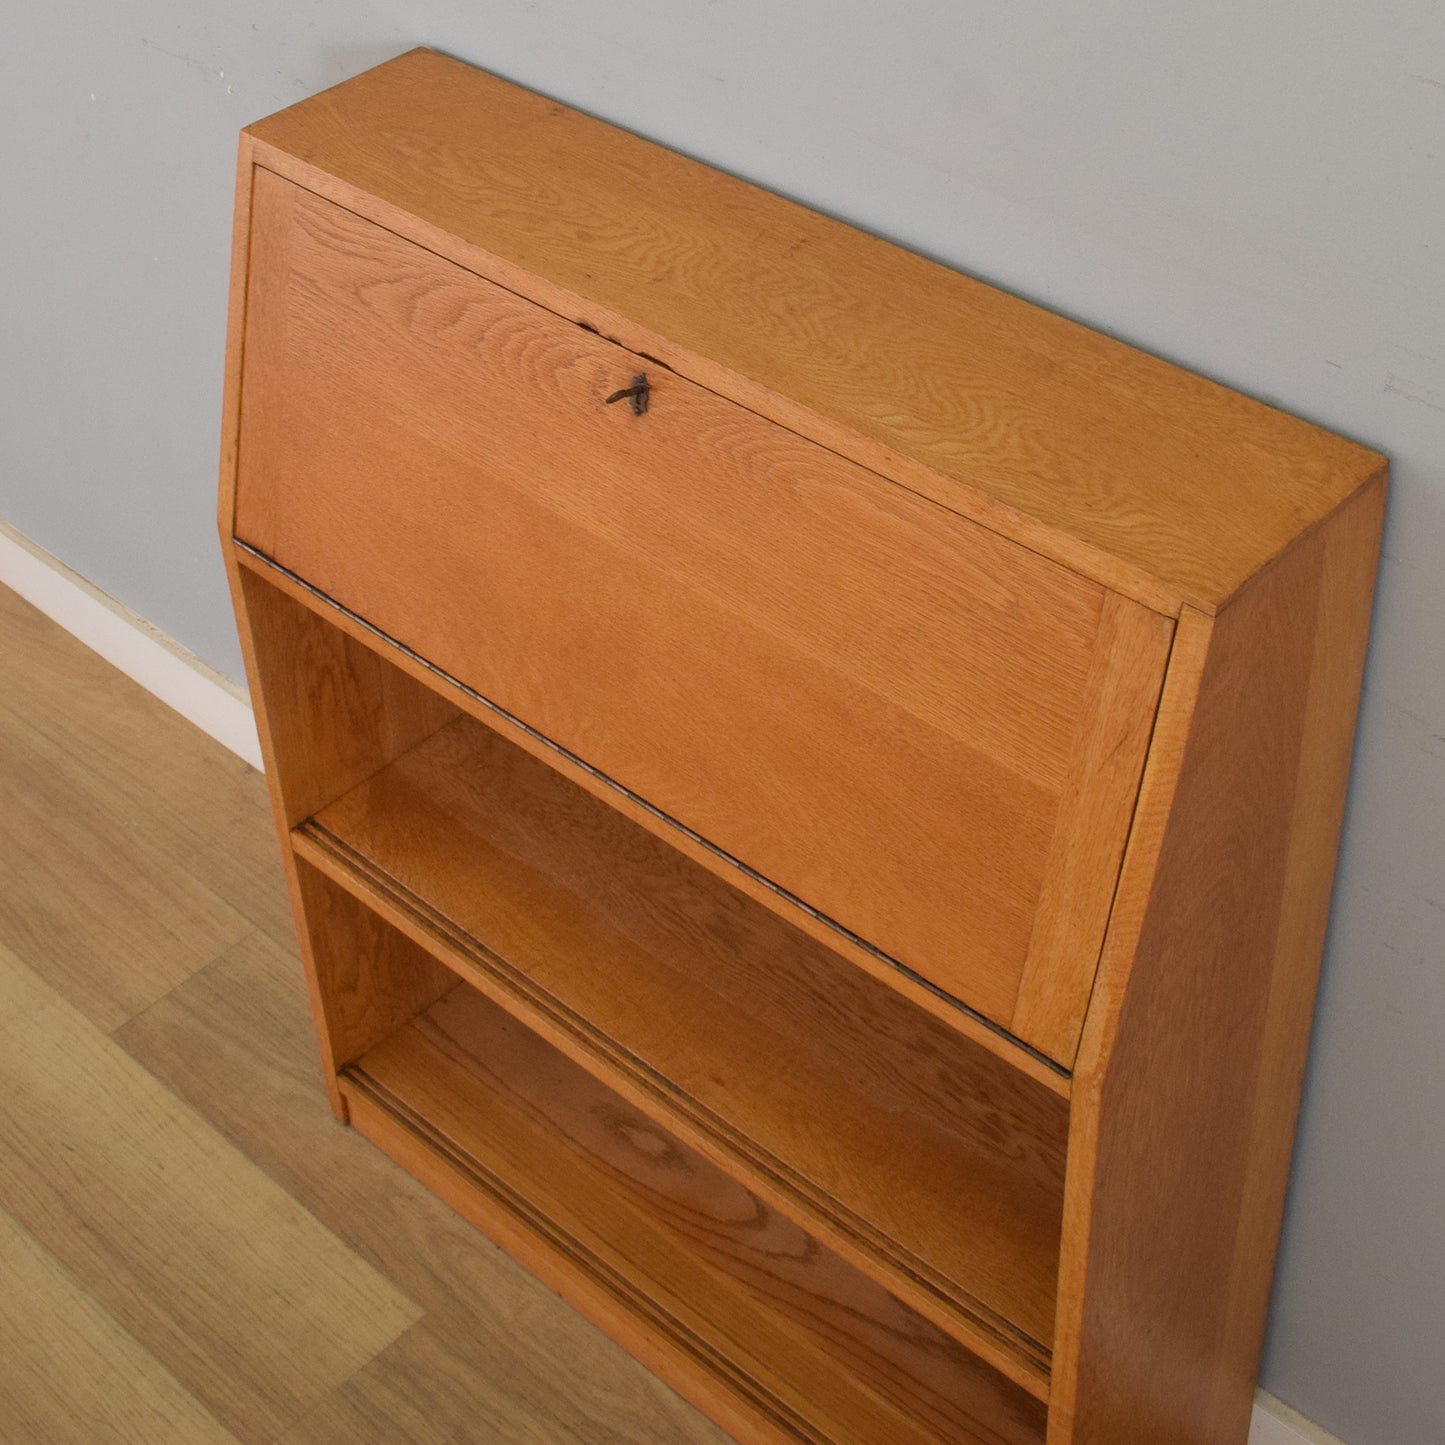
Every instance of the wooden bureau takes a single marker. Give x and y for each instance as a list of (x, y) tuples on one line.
[(809, 786)]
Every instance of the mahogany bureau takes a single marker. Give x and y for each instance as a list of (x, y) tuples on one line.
[(809, 786)]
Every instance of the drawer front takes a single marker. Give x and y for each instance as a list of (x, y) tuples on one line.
[(903, 720)]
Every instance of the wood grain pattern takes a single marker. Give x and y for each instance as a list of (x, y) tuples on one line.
[(252, 1306), (136, 759), (1351, 551), (1117, 719), (918, 993), (235, 1042), (235, 344), (371, 979), (456, 373), (1150, 479), (664, 981), (445, 1382), (69, 1375), (826, 1351), (915, 684), (868, 617), (93, 893), (1180, 1146), (329, 712), (581, 1288)]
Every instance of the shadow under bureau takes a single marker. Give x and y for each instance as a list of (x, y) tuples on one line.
[(809, 786)]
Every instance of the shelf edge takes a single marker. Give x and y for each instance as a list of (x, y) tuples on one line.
[(981, 1330)]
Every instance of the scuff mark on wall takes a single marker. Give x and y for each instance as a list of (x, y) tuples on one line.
[(1413, 391), (1418, 732), (189, 61)]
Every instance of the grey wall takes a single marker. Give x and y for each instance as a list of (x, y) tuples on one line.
[(1255, 188)]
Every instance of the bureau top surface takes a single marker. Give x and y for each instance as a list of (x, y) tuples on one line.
[(1154, 480)]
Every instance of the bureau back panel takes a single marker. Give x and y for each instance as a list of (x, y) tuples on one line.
[(895, 716)]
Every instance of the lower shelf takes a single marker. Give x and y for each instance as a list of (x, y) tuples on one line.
[(922, 1158), (766, 1329)]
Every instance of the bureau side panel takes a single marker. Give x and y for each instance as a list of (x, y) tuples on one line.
[(328, 714), (225, 520), (1193, 1053), (235, 341)]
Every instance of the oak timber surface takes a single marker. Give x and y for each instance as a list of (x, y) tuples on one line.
[(114, 1392), (434, 454), (1141, 472), (230, 1263), (740, 1021), (1145, 484), (236, 1043), (90, 894), (255, 1308), (1253, 743), (819, 1343), (114, 879), (256, 576), (285, 653), (196, 802)]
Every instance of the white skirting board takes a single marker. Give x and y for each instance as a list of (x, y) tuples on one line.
[(1275, 1423), (219, 707), (162, 666)]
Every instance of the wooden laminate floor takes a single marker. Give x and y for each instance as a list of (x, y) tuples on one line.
[(191, 1248)]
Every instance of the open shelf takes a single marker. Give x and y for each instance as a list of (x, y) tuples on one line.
[(913, 1152), (260, 575), (613, 1201)]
